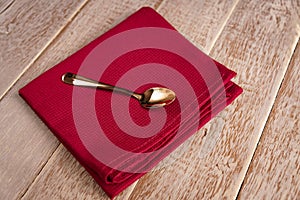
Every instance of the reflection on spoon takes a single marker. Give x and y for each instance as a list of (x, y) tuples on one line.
[(151, 98)]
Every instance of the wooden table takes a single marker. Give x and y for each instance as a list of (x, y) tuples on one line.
[(251, 150)]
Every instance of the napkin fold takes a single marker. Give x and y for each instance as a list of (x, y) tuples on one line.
[(111, 135)]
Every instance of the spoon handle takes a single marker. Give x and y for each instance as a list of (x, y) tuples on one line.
[(77, 80)]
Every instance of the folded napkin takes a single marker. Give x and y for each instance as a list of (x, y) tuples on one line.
[(111, 135)]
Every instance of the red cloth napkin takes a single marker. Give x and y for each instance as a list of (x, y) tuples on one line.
[(111, 135)]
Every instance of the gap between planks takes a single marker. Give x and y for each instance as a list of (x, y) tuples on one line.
[(37, 175), (7, 6), (44, 48), (261, 131), (222, 27), (266, 121)]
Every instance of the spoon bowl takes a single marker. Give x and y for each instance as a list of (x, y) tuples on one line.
[(157, 97), (152, 98)]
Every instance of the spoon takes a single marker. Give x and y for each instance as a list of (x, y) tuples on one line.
[(152, 98)]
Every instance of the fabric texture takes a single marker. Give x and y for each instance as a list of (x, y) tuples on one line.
[(86, 121)]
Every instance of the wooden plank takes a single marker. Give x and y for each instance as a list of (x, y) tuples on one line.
[(46, 183), (274, 172), (75, 182), (257, 42), (26, 143), (26, 29), (200, 22)]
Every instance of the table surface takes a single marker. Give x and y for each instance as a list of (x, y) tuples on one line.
[(251, 150)]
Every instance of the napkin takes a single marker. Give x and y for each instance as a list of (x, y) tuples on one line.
[(112, 135)]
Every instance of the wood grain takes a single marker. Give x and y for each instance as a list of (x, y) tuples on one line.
[(257, 42), (26, 143), (44, 187), (24, 32), (26, 29), (200, 22), (76, 182), (274, 172)]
